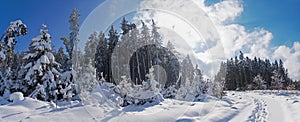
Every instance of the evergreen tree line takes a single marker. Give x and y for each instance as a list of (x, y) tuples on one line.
[(39, 72), (114, 50), (131, 58), (34, 72), (46, 74), (242, 73)]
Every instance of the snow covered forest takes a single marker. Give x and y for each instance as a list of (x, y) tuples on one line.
[(106, 73), (243, 73), (55, 76)]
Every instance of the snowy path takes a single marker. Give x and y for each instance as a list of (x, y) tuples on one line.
[(254, 111), (278, 111), (235, 107), (259, 113), (264, 108)]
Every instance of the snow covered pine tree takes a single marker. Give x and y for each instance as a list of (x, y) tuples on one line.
[(41, 76), (8, 56)]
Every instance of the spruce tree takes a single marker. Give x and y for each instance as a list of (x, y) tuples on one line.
[(9, 59), (41, 75), (260, 84), (113, 39), (156, 37), (61, 58), (71, 43), (101, 57), (134, 62), (277, 81), (90, 49), (187, 69)]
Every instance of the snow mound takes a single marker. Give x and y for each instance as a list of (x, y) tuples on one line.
[(102, 94), (16, 97)]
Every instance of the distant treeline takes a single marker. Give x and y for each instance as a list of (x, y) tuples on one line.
[(240, 73)]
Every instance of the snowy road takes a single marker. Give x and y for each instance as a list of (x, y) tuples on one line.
[(235, 107), (265, 107)]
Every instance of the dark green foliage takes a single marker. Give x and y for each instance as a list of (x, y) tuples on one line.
[(240, 73)]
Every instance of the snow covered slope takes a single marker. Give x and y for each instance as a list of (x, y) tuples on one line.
[(235, 107)]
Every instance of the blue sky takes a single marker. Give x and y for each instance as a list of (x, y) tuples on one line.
[(281, 18), (54, 13)]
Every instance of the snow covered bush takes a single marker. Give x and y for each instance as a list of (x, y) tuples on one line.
[(169, 92), (125, 87), (189, 91), (102, 94), (217, 88), (192, 86), (93, 92), (277, 81), (181, 93), (16, 97), (194, 89), (259, 83), (148, 91)]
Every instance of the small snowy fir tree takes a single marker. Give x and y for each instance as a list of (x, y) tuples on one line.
[(187, 73), (41, 75), (199, 86), (217, 88), (86, 80), (277, 81), (148, 92), (66, 88), (260, 84), (193, 89), (186, 92), (123, 89), (182, 91), (87, 73)]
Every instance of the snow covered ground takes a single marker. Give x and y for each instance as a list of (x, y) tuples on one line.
[(253, 106)]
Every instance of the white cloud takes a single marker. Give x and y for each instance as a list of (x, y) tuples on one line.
[(297, 46), (282, 52), (208, 33), (224, 11), (291, 58), (235, 37), (230, 37)]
